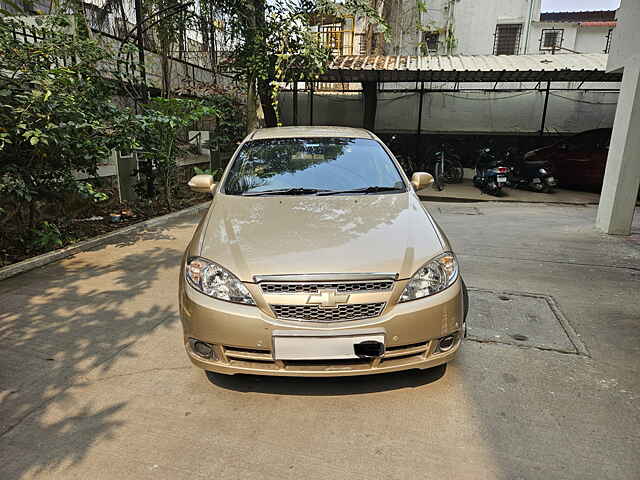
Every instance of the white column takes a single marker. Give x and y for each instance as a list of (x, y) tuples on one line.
[(622, 176)]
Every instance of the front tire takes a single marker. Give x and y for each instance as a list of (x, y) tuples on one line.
[(465, 303)]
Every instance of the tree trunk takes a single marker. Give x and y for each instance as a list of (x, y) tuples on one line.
[(255, 20), (265, 91), (252, 112)]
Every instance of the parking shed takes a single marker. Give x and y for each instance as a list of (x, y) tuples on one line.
[(488, 72)]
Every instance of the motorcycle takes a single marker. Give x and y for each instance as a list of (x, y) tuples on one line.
[(536, 175), (491, 174)]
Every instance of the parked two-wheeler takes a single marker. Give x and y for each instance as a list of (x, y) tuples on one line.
[(491, 173), (445, 166), (398, 150), (530, 173)]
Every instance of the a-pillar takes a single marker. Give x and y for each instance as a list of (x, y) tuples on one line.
[(622, 175)]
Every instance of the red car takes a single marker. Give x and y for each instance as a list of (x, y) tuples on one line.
[(579, 161)]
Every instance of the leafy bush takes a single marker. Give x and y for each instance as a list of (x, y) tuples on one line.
[(56, 114), (158, 130), (47, 237)]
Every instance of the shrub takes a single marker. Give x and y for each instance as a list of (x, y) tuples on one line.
[(56, 114)]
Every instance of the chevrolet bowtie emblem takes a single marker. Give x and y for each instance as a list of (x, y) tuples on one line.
[(327, 299)]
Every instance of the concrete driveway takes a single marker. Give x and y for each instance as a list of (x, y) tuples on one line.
[(94, 382)]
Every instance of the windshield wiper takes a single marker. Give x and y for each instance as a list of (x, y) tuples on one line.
[(365, 190), (285, 191)]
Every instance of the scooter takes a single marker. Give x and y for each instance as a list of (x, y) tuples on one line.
[(491, 174), (536, 175)]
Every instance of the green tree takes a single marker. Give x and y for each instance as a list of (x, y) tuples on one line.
[(274, 42)]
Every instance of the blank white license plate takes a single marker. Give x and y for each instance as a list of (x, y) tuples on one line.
[(502, 178), (309, 345)]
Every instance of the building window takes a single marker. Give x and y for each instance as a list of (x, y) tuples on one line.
[(377, 42), (331, 37), (506, 40), (551, 39), (607, 46), (429, 44)]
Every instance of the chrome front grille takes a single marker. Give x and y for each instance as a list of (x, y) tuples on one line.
[(340, 287), (342, 313)]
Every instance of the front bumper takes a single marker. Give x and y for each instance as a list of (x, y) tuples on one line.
[(241, 336)]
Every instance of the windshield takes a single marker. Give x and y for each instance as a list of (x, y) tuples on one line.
[(304, 166)]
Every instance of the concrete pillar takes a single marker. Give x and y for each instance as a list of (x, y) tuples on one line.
[(622, 176)]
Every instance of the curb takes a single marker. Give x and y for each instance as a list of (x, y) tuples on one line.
[(50, 257), (499, 200)]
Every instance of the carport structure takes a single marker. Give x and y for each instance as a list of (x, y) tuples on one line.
[(477, 72), (487, 73)]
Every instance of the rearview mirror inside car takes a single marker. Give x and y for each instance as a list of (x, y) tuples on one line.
[(202, 184), (421, 180)]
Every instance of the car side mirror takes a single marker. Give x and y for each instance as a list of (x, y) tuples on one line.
[(421, 180), (202, 184)]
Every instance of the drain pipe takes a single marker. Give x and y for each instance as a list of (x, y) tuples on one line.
[(527, 26)]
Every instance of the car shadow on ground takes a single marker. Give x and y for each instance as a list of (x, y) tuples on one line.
[(327, 386)]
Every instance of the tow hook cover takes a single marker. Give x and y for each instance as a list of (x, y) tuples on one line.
[(369, 349)]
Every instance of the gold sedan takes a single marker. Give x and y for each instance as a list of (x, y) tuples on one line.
[(317, 258)]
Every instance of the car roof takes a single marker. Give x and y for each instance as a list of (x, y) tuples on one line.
[(306, 132)]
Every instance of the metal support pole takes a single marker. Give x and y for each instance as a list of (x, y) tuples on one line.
[(544, 110), (139, 39), (295, 102), (418, 133), (311, 104)]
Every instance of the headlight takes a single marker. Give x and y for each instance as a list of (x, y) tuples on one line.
[(542, 171), (211, 279), (433, 277)]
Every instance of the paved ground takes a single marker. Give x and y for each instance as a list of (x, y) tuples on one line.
[(465, 191), (94, 382)]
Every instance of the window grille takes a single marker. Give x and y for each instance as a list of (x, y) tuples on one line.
[(430, 42), (551, 39), (506, 40)]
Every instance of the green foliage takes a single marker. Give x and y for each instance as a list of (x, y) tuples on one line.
[(46, 237), (158, 126), (275, 42), (230, 119), (86, 190), (56, 113), (214, 172)]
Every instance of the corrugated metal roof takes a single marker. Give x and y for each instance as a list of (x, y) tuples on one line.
[(575, 17), (470, 68), (598, 24)]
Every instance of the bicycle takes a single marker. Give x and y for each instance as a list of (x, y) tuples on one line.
[(446, 167)]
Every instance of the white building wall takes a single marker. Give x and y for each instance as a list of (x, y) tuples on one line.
[(591, 39), (475, 23), (479, 112), (568, 39)]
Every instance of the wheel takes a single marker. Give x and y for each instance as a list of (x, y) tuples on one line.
[(439, 177), (453, 171)]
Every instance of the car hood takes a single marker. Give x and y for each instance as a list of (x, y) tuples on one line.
[(279, 235)]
